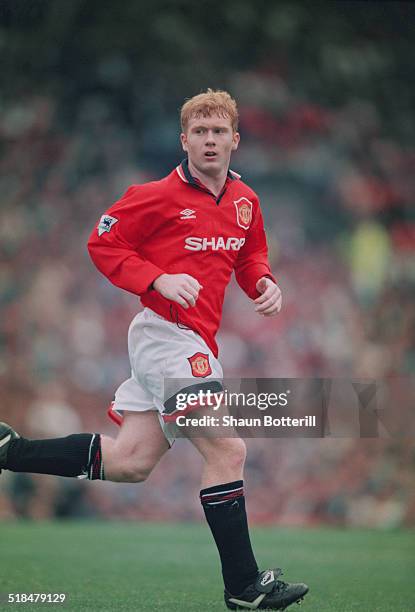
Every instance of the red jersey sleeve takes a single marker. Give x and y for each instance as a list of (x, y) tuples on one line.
[(114, 244), (252, 262)]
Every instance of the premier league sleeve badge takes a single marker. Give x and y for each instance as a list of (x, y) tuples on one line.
[(105, 224)]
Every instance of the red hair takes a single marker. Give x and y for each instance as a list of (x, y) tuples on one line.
[(207, 104)]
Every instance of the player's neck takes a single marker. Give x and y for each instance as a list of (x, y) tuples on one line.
[(214, 183)]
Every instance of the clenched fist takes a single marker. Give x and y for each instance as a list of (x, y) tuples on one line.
[(269, 303), (180, 288)]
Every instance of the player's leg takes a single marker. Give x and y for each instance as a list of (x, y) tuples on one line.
[(72, 456), (128, 458), (223, 501), (188, 365)]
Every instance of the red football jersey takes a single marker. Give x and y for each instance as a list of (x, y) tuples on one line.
[(174, 226)]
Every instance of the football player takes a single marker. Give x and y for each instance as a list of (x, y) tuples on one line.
[(175, 243)]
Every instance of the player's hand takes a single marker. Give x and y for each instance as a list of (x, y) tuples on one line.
[(180, 288), (270, 302)]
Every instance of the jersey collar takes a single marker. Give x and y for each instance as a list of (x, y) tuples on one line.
[(184, 173)]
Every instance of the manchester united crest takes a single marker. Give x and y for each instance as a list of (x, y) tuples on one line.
[(199, 362), (243, 212)]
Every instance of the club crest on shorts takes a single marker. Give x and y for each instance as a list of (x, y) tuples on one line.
[(199, 362), (243, 212), (105, 224)]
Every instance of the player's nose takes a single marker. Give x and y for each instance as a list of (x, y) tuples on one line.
[(210, 139)]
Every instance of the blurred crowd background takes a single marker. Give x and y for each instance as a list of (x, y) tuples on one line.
[(89, 104)]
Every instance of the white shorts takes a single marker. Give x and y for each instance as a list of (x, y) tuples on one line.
[(165, 360)]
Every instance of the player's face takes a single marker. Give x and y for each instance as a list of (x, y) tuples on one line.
[(209, 142)]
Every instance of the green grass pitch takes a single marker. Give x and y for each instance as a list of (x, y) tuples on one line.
[(129, 566)]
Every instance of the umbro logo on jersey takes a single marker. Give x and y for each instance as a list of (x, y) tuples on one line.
[(187, 213)]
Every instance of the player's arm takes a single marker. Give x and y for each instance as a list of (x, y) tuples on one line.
[(114, 247), (114, 244), (252, 270)]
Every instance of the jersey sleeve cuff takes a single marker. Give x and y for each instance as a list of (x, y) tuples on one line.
[(147, 277), (253, 274)]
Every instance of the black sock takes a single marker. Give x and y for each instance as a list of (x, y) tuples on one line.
[(224, 507), (75, 455)]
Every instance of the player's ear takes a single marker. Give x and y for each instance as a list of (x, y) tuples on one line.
[(183, 140), (235, 138)]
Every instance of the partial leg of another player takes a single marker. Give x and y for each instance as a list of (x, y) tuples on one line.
[(223, 501)]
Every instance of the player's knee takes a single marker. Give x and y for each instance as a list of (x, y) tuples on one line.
[(229, 452), (236, 454)]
